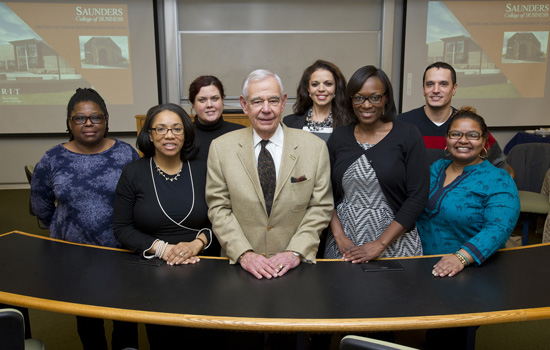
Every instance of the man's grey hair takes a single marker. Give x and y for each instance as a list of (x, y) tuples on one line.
[(261, 74)]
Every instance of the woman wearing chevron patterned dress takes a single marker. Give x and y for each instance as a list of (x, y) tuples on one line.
[(380, 176)]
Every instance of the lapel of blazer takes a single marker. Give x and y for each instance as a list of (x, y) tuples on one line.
[(288, 161), (246, 156)]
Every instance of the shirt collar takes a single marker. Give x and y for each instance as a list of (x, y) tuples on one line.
[(277, 138)]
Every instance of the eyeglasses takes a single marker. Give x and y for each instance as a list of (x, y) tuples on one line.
[(373, 99), (81, 119), (161, 130), (273, 102), (470, 135)]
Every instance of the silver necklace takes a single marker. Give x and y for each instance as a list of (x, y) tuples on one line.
[(158, 199), (316, 126), (167, 177)]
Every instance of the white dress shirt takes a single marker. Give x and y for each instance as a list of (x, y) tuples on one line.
[(274, 146)]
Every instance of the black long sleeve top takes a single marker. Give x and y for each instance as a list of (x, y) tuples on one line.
[(204, 134), (400, 163), (138, 217)]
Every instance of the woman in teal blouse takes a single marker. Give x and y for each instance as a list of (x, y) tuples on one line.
[(473, 206)]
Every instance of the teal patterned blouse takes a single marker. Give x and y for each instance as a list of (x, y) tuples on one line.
[(476, 212)]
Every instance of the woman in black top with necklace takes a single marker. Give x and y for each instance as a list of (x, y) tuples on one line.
[(320, 100), (160, 210), (160, 198)]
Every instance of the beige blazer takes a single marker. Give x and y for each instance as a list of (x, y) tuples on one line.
[(300, 211)]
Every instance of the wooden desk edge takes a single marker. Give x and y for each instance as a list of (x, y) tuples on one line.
[(279, 324)]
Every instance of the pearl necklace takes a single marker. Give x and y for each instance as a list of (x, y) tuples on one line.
[(167, 177)]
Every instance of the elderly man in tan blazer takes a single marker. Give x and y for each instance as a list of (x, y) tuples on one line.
[(268, 240)]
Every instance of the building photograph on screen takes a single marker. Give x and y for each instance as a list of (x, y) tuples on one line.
[(31, 71), (50, 58), (465, 39), (525, 47), (104, 52), (50, 48), (499, 50)]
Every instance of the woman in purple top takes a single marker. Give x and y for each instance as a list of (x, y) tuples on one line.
[(73, 190)]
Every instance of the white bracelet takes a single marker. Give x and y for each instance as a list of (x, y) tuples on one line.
[(160, 252)]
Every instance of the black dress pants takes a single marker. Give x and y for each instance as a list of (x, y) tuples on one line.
[(92, 334), (460, 338), (171, 337)]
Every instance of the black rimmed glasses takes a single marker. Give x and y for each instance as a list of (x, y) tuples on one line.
[(373, 99), (470, 135), (81, 119), (162, 130)]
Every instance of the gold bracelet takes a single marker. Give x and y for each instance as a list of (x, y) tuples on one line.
[(464, 256), (241, 256), (461, 258)]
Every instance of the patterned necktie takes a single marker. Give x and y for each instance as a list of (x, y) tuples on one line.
[(266, 172)]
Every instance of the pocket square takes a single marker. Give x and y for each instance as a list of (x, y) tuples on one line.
[(298, 179)]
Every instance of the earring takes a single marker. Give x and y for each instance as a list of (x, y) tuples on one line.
[(448, 154), (484, 156)]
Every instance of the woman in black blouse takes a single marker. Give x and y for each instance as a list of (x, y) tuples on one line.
[(379, 174), (160, 210), (206, 95), (320, 100)]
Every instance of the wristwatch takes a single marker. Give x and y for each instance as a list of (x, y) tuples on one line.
[(298, 255)]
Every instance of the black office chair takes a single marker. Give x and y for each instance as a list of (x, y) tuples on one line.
[(354, 342), (530, 162), (12, 332)]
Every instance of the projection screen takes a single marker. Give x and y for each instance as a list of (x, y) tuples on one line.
[(498, 48), (50, 48)]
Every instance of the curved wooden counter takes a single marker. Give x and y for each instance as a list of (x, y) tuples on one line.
[(333, 296)]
